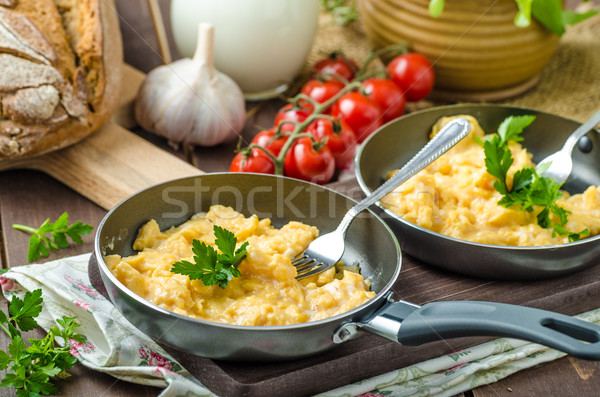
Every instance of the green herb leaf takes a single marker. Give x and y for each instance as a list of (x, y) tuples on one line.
[(226, 241), (511, 128), (498, 160), (33, 367), (41, 245), (571, 17), (24, 311), (529, 190), (436, 7), (523, 17), (212, 267), (343, 11), (5, 360), (549, 14)]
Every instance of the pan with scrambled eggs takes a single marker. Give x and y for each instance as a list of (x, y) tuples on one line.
[(450, 216), (280, 217)]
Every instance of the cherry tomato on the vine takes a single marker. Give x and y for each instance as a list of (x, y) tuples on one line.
[(253, 161), (266, 139), (362, 114), (335, 64), (414, 74), (340, 139), (322, 91), (292, 112), (309, 161), (388, 96)]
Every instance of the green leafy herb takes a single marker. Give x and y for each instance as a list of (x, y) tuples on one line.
[(436, 7), (210, 266), (529, 190), (343, 11), (31, 368), (39, 244), (548, 13)]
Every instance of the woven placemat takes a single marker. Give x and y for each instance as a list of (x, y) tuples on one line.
[(568, 86)]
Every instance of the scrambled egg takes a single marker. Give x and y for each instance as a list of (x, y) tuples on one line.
[(267, 293), (455, 196)]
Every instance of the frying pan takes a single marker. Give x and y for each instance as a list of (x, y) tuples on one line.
[(396, 142), (370, 244)]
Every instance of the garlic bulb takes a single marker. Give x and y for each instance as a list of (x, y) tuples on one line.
[(189, 101)]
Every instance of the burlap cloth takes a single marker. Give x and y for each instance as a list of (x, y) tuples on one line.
[(569, 85)]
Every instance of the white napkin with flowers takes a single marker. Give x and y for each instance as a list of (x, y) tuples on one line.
[(117, 348)]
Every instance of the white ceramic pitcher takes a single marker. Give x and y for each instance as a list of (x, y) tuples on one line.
[(261, 44)]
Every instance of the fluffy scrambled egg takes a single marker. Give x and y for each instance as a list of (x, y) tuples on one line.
[(455, 196), (267, 292)]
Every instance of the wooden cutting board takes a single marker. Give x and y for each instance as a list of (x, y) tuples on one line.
[(112, 163)]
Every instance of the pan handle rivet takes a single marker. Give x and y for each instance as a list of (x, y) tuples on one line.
[(345, 332)]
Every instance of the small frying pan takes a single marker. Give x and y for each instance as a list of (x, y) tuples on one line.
[(394, 144), (370, 244)]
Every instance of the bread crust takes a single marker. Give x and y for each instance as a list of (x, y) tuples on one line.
[(60, 73)]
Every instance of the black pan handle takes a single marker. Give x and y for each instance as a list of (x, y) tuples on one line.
[(414, 325), (441, 320)]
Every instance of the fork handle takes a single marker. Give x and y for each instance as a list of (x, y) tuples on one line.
[(446, 138), (581, 131)]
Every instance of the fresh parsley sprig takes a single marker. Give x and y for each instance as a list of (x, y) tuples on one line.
[(210, 266), (39, 244), (529, 190), (33, 367)]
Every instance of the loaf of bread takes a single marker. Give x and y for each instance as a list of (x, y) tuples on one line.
[(60, 72)]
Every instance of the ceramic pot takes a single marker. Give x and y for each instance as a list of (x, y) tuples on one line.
[(477, 51), (261, 44)]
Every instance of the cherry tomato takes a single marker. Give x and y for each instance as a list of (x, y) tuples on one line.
[(292, 112), (335, 64), (387, 95), (322, 91), (254, 161), (414, 75), (340, 139), (362, 114), (309, 161), (266, 139)]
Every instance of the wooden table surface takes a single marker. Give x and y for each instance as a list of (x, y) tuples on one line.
[(29, 197)]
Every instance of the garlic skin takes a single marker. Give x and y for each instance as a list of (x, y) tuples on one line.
[(189, 101)]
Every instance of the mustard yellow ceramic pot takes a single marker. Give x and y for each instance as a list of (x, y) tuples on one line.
[(477, 51)]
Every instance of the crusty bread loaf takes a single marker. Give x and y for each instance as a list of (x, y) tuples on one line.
[(60, 72)]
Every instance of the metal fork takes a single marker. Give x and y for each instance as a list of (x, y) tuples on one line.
[(327, 250), (559, 165)]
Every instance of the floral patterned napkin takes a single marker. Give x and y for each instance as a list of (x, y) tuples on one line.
[(116, 347)]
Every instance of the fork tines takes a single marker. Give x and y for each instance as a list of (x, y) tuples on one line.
[(305, 265)]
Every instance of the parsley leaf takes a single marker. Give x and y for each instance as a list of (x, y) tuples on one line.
[(212, 267), (33, 367), (24, 311), (529, 190), (41, 245), (498, 160), (511, 127)]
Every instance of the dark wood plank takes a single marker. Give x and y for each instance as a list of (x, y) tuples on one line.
[(29, 197)]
